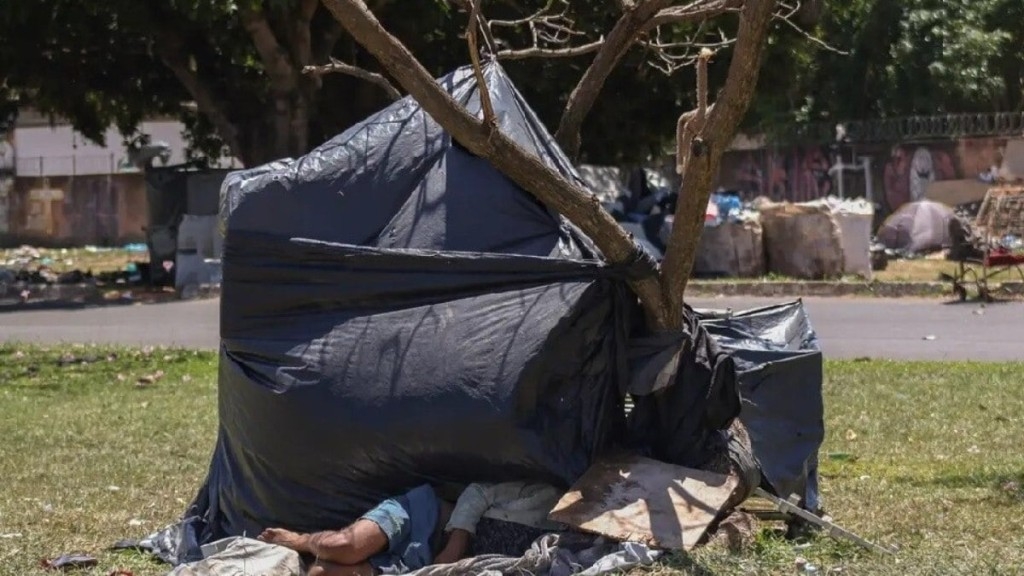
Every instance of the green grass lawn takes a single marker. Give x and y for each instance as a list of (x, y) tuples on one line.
[(925, 456)]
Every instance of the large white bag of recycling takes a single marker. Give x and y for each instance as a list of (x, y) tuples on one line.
[(856, 219), (802, 241), (731, 249)]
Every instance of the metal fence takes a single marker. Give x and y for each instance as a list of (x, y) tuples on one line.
[(83, 165), (947, 126), (78, 165)]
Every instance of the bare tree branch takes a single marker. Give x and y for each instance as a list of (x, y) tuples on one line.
[(638, 17), (525, 169), (619, 39), (669, 57), (787, 19), (279, 68), (490, 120), (707, 145), (696, 11), (692, 122), (339, 67), (536, 52), (550, 32)]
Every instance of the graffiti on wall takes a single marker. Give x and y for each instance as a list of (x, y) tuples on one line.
[(900, 173), (796, 175), (910, 169)]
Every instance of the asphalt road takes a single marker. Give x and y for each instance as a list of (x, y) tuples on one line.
[(848, 328)]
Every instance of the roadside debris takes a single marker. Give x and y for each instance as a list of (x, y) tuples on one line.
[(149, 379), (69, 561)]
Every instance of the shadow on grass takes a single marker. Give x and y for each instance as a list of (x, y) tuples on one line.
[(1006, 488)]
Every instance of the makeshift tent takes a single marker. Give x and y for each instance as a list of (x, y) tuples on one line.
[(395, 311), (917, 227)]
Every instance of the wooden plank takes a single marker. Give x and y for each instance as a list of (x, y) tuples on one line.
[(635, 499)]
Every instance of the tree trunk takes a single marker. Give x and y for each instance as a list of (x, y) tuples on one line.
[(284, 133), (715, 136)]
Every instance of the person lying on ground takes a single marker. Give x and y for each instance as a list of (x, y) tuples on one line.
[(418, 529)]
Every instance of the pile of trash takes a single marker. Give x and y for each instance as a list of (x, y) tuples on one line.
[(29, 272), (827, 238), (835, 240), (30, 265)]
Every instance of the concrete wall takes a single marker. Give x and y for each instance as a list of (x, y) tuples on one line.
[(58, 188), (75, 210)]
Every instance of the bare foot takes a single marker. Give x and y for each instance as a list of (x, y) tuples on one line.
[(286, 538)]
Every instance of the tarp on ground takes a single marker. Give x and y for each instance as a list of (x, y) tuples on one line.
[(917, 227), (780, 376)]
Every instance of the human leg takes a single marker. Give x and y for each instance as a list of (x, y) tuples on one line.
[(349, 546), (395, 536)]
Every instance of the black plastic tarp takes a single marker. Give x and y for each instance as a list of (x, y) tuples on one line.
[(681, 419), (780, 376), (394, 311)]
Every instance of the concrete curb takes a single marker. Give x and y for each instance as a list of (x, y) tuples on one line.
[(794, 289), (71, 296)]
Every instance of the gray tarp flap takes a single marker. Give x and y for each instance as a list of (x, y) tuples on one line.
[(780, 376), (681, 423)]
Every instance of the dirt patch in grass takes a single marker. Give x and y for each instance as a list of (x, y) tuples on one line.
[(101, 444)]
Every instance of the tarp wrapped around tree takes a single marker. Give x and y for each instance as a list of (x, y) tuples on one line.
[(395, 311)]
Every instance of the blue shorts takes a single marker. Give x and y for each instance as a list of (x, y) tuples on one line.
[(410, 522)]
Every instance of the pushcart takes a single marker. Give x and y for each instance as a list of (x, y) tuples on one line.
[(993, 263)]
